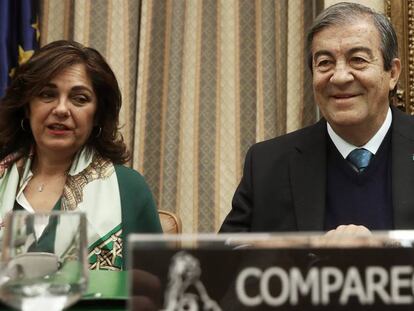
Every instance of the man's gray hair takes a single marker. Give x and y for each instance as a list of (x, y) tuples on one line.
[(344, 13)]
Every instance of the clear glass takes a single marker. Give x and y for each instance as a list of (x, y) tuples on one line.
[(43, 260)]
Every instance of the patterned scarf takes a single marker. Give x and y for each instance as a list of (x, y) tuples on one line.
[(91, 187)]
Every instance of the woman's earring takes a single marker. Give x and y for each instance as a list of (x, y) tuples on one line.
[(99, 131), (22, 125)]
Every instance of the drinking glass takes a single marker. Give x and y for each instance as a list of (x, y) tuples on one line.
[(43, 260)]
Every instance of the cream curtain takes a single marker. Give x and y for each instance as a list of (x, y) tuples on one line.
[(202, 80)]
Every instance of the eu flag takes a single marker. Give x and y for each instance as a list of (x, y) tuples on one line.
[(19, 35)]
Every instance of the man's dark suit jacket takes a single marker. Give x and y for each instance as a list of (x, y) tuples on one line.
[(284, 181)]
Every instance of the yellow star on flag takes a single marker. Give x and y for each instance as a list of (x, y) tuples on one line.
[(35, 26), (24, 55)]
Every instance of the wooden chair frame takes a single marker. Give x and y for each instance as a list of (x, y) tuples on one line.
[(170, 222)]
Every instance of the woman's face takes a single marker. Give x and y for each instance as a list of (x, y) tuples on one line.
[(62, 114)]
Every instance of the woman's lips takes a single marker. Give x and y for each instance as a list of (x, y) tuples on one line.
[(57, 126), (58, 129)]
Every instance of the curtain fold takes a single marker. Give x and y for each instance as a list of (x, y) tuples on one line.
[(202, 80)]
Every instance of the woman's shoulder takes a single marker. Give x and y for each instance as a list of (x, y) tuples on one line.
[(7, 161), (127, 171), (138, 205), (130, 177)]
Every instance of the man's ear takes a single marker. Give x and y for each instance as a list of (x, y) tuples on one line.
[(395, 72)]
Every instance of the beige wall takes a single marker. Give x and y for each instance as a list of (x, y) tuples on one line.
[(377, 5)]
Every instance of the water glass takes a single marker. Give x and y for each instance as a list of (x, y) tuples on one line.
[(43, 262)]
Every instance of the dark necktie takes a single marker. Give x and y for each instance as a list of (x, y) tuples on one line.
[(360, 158)]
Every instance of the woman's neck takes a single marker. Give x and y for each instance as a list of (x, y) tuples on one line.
[(49, 166)]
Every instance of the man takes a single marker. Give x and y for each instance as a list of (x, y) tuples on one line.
[(305, 180)]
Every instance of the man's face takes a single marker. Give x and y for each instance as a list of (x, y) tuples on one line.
[(349, 81)]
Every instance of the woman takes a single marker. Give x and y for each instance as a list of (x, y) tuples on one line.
[(60, 149)]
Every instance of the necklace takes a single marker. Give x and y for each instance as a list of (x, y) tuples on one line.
[(40, 187)]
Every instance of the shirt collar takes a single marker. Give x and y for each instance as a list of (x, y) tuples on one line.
[(372, 145)]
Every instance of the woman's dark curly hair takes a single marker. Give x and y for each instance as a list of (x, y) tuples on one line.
[(31, 77)]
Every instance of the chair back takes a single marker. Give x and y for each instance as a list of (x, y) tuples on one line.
[(170, 222)]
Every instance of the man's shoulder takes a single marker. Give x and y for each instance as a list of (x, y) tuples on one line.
[(298, 138), (403, 124), (402, 116)]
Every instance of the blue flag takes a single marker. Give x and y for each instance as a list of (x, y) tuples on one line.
[(19, 36)]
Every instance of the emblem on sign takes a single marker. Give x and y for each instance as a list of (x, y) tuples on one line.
[(185, 291)]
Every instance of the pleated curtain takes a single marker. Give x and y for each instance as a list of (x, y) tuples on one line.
[(202, 80)]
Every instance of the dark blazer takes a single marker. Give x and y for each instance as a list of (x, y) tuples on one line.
[(283, 187)]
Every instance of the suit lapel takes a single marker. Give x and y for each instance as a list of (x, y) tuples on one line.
[(403, 170), (308, 179)]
